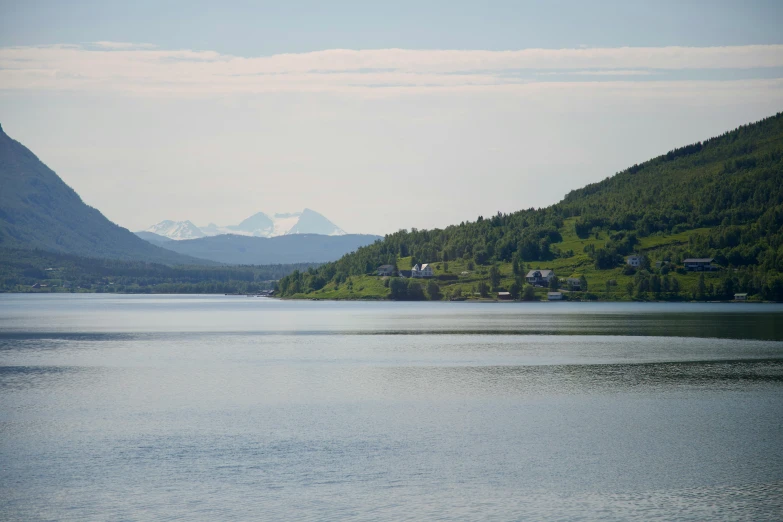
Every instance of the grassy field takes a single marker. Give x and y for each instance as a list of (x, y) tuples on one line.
[(463, 276)]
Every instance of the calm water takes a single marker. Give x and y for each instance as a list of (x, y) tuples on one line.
[(234, 408)]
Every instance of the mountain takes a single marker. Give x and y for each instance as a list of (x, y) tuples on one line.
[(311, 222), (38, 210), (258, 225), (176, 230), (153, 238), (721, 198), (293, 248)]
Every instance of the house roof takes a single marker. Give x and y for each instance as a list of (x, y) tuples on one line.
[(504, 293), (425, 265), (699, 260), (634, 255), (544, 273), (574, 280), (554, 293), (740, 295)]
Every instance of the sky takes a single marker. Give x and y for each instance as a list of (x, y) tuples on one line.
[(381, 116)]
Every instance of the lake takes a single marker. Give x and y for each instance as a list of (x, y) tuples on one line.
[(237, 408)]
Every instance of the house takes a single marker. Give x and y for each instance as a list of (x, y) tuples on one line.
[(540, 277), (386, 270), (554, 296), (740, 297), (424, 270), (504, 296), (634, 260), (574, 283), (699, 264)]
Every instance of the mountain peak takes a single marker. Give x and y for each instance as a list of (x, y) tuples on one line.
[(260, 224), (176, 230)]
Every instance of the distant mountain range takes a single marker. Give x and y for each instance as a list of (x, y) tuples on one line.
[(258, 225), (248, 250), (39, 211)]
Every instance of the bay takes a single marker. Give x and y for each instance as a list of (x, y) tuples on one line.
[(237, 408)]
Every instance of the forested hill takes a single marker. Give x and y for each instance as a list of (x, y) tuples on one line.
[(722, 198), (39, 211), (732, 179)]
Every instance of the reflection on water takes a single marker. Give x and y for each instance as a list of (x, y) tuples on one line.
[(128, 407)]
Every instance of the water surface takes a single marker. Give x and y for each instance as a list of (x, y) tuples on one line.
[(218, 407)]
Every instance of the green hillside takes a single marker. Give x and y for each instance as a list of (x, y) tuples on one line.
[(39, 211), (721, 198)]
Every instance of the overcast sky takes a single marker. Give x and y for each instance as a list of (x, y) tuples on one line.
[(380, 116)]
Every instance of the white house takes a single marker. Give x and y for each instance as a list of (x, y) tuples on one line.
[(424, 270), (554, 296), (540, 277), (634, 260), (386, 270)]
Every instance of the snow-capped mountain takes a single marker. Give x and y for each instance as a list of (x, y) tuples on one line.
[(258, 225), (176, 230)]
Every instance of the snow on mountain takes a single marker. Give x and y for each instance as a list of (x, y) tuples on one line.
[(258, 225), (311, 222), (285, 222), (176, 230)]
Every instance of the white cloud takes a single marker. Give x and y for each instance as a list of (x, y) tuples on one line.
[(123, 45), (609, 72), (143, 69)]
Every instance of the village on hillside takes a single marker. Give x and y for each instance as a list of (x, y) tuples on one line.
[(538, 278)]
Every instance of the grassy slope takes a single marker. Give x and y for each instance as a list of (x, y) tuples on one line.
[(372, 287)]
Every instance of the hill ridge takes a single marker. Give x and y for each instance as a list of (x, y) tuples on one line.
[(721, 198)]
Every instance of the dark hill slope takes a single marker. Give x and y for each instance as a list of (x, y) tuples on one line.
[(732, 179), (38, 210), (729, 187)]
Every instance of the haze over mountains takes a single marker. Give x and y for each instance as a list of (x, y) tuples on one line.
[(39, 211), (258, 225), (290, 248)]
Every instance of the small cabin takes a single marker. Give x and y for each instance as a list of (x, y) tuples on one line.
[(504, 296), (554, 296), (698, 264), (574, 283), (634, 260), (740, 297), (386, 270)]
